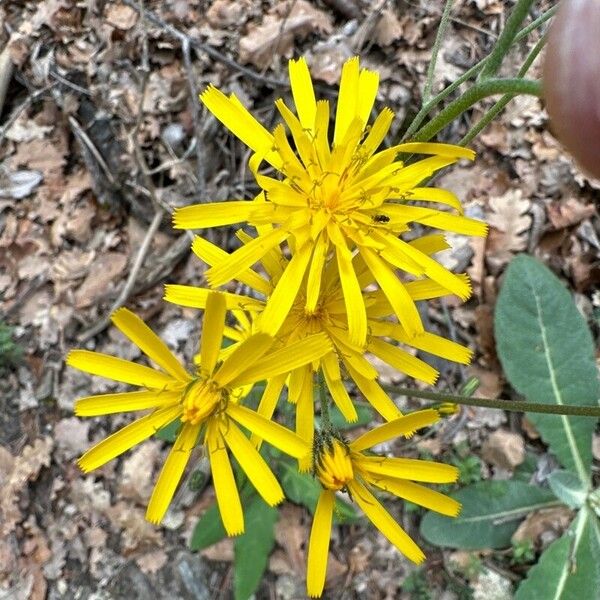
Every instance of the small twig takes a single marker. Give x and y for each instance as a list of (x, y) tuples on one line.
[(23, 106), (208, 50), (6, 71), (87, 142)]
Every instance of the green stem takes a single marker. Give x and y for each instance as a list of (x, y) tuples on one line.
[(479, 91), (431, 104), (444, 21), (506, 39), (515, 406), (498, 107)]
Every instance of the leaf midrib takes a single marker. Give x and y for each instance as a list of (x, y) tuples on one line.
[(509, 513), (581, 470)]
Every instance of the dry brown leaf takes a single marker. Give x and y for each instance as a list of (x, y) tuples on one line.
[(549, 523), (221, 551), (509, 224), (225, 13), (120, 16), (388, 28), (104, 271), (135, 481), (152, 562), (279, 29), (291, 533), (565, 213), (504, 449), (71, 436), (25, 467)]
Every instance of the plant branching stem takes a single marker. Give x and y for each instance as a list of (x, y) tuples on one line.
[(515, 406), (324, 401), (444, 21), (499, 106), (479, 91), (431, 104), (507, 38)]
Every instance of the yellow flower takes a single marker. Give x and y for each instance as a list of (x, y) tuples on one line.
[(329, 318), (207, 403), (343, 467), (334, 200)]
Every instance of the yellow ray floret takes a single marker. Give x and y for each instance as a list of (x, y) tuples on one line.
[(347, 197), (342, 466), (207, 403)]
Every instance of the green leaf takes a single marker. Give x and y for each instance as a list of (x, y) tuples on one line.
[(547, 353), (304, 489), (169, 432), (209, 529), (570, 566), (491, 511), (252, 549), (568, 488), (365, 415)]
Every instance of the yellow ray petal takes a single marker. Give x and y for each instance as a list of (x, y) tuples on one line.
[(240, 122), (149, 343), (368, 83), (216, 214), (448, 150), (425, 289), (315, 273), (108, 404), (419, 494), (400, 300), (245, 354), (347, 99), (434, 344), (378, 131), (430, 244), (432, 268), (321, 140), (404, 425), (195, 297), (287, 359), (291, 165), (409, 468), (119, 369), (253, 464), (318, 545), (373, 393), (385, 523), (403, 361), (228, 497), (298, 378), (244, 257), (279, 304), (213, 255), (126, 438), (212, 332), (355, 305), (170, 474), (273, 433), (268, 402), (333, 379), (303, 143), (438, 195), (274, 262), (305, 423), (303, 93)]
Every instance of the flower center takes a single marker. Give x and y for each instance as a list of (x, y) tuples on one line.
[(201, 400), (334, 465)]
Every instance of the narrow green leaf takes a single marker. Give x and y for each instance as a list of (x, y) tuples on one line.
[(568, 488), (491, 511), (547, 353), (570, 566), (365, 415), (252, 549), (209, 529), (169, 432)]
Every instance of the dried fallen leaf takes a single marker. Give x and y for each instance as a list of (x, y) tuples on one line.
[(103, 272), (509, 223), (121, 16), (504, 449), (565, 213), (279, 29), (25, 467), (549, 523)]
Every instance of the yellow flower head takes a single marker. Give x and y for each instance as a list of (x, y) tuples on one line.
[(329, 317), (341, 466), (206, 402), (333, 200)]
